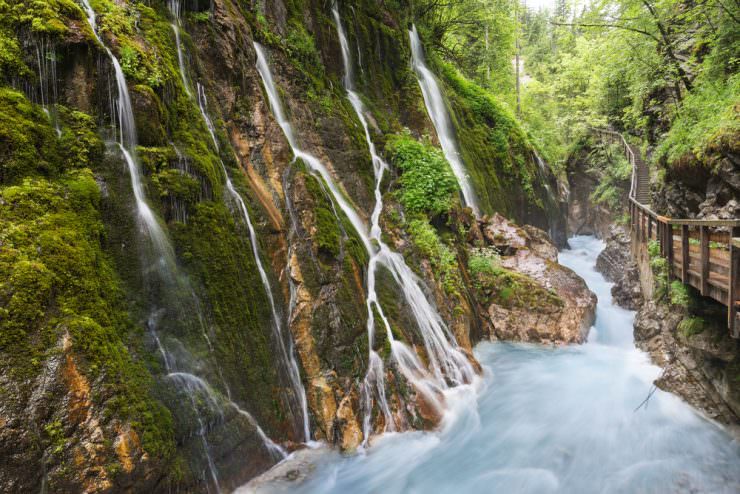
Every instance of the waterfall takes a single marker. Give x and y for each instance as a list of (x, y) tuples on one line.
[(446, 360), (127, 144), (437, 110), (175, 10), (287, 355), (167, 268)]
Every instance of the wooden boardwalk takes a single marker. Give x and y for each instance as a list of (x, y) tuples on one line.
[(702, 253)]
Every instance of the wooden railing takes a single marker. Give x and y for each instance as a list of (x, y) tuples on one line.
[(702, 253)]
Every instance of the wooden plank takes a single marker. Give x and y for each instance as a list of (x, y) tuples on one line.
[(705, 255), (719, 237), (685, 253), (725, 223)]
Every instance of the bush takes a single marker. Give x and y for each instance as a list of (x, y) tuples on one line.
[(484, 261), (679, 294), (427, 183)]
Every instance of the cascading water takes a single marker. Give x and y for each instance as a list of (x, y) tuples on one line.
[(446, 360), (175, 10), (167, 268), (287, 354), (437, 110)]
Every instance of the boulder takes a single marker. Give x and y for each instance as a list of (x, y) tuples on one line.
[(531, 297)]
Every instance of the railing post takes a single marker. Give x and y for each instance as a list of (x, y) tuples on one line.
[(650, 228), (732, 288), (685, 253), (669, 247), (704, 241)]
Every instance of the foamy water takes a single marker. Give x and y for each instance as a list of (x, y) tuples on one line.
[(551, 419)]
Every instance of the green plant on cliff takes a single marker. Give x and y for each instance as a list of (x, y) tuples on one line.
[(427, 183), (614, 171), (690, 326), (440, 255)]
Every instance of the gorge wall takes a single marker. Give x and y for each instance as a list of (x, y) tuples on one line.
[(165, 363)]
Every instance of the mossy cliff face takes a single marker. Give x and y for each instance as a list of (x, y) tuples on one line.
[(85, 304)]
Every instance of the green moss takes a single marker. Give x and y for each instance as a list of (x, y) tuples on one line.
[(440, 255), (510, 289), (27, 142), (55, 277), (691, 326), (496, 151)]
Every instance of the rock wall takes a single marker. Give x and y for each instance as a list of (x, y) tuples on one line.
[(87, 399)]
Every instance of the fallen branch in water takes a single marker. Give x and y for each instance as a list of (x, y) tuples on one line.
[(645, 401)]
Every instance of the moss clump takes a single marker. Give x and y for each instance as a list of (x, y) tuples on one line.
[(691, 326), (510, 289), (55, 277), (440, 255), (27, 143)]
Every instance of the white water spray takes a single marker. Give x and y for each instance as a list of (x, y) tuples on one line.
[(287, 355), (437, 110), (446, 361)]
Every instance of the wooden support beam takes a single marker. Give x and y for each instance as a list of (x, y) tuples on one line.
[(733, 290), (669, 249), (704, 248), (685, 253), (650, 228)]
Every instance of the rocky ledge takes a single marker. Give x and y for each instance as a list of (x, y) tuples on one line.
[(700, 362), (617, 266), (529, 296)]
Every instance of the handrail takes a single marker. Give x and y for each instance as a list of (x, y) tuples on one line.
[(705, 266)]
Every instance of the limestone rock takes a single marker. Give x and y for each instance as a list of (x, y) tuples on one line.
[(533, 298)]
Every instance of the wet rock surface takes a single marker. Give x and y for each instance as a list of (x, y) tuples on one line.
[(617, 266), (700, 368), (537, 299)]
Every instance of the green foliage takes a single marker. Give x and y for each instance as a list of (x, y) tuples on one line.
[(442, 257), (615, 171), (646, 67), (55, 433), (659, 267), (484, 261), (679, 294), (427, 182), (691, 326), (706, 115)]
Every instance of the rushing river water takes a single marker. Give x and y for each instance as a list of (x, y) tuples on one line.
[(565, 419)]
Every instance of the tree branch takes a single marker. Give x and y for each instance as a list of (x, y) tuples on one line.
[(609, 26)]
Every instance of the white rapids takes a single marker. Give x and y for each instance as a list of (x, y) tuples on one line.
[(569, 419)]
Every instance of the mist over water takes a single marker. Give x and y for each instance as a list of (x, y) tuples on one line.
[(552, 419)]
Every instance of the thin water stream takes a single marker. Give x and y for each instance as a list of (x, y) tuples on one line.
[(437, 110), (552, 420), (448, 366)]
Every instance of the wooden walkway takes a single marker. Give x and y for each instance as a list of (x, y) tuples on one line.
[(702, 253)]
